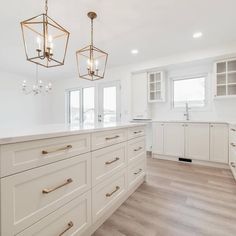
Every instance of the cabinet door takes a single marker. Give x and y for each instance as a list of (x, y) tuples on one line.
[(174, 139), (219, 143), (158, 138), (139, 96), (197, 141)]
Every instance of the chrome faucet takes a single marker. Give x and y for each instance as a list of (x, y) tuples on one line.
[(187, 108)]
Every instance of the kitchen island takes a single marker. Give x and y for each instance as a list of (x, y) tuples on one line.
[(67, 180)]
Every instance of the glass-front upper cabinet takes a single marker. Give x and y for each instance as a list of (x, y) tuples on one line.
[(156, 86), (225, 78)]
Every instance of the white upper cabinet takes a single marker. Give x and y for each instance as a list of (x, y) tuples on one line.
[(139, 98), (225, 77), (174, 139), (219, 143), (197, 141), (156, 87)]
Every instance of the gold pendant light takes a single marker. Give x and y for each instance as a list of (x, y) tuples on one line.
[(91, 61), (45, 40)]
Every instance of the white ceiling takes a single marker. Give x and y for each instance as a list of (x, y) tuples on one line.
[(156, 27)]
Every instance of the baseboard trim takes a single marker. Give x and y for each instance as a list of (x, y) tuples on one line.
[(197, 162)]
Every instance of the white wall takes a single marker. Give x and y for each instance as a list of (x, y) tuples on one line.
[(17, 109), (178, 65)]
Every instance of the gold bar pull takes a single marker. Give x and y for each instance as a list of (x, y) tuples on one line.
[(233, 164), (46, 191), (232, 144), (137, 149), (138, 132), (233, 129), (135, 173), (110, 194), (69, 226), (109, 138), (110, 162), (44, 152)]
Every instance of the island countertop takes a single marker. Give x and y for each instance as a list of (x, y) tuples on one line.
[(29, 133)]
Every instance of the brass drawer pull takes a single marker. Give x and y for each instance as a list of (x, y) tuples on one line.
[(138, 132), (232, 144), (110, 194), (44, 152), (46, 191), (233, 164), (110, 162), (137, 149), (69, 226), (109, 138), (233, 130), (140, 170)]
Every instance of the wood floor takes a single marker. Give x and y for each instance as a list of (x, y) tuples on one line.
[(177, 200)]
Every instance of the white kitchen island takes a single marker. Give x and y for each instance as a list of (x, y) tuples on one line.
[(67, 180)]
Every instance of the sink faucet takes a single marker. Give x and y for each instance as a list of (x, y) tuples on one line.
[(187, 108)]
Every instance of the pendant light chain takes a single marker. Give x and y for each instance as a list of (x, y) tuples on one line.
[(92, 32), (46, 7)]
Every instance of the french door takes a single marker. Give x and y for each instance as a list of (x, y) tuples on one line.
[(109, 102)]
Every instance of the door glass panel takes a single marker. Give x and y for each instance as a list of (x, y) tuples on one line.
[(74, 106), (88, 105), (109, 104)]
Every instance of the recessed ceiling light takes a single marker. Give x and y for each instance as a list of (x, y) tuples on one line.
[(134, 51), (197, 35)]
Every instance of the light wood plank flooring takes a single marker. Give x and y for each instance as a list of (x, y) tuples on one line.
[(177, 200)]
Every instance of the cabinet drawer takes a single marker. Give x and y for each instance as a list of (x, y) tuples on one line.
[(72, 219), (136, 172), (104, 195), (18, 157), (135, 132), (29, 196), (108, 161), (107, 138), (136, 149)]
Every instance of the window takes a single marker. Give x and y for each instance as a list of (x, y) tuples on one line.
[(88, 105), (81, 105), (74, 108), (191, 91)]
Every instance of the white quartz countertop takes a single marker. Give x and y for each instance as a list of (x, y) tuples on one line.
[(193, 121), (23, 134)]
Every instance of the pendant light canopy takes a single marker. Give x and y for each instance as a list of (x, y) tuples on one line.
[(45, 40), (91, 61)]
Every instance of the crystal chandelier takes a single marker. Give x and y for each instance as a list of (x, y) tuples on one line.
[(38, 87), (91, 61), (45, 41)]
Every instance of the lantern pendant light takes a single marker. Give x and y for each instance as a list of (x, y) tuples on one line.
[(91, 61), (45, 40)]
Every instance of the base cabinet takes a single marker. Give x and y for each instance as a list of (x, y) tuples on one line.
[(196, 141)]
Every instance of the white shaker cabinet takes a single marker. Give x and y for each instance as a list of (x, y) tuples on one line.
[(139, 96), (219, 143), (174, 139), (197, 143), (158, 138)]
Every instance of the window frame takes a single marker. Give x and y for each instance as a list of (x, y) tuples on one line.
[(206, 86)]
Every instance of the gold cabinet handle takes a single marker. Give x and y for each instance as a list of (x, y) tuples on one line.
[(46, 191), (136, 173), (110, 162), (110, 194), (233, 130), (44, 152), (232, 144), (137, 149), (114, 137), (69, 226), (233, 164), (138, 132)]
